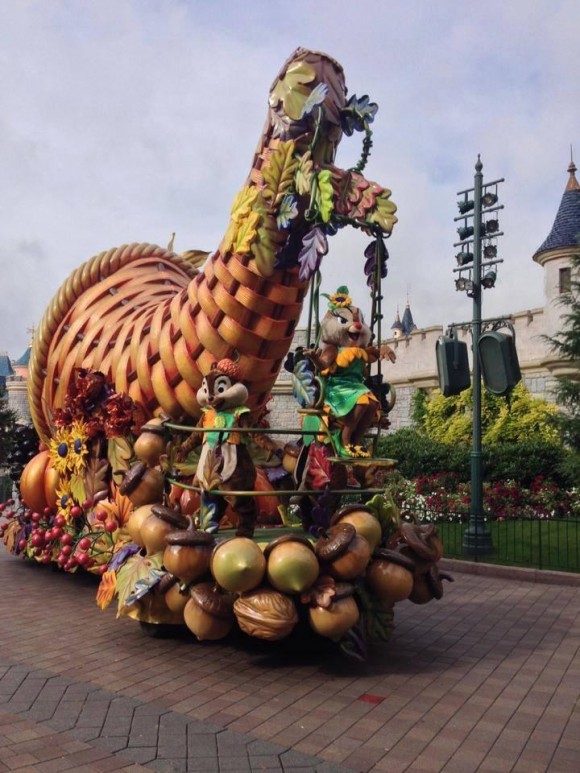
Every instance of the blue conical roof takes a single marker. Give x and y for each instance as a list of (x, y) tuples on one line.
[(5, 366), (25, 359), (566, 229), (408, 323)]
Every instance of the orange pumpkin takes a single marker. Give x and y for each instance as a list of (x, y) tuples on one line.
[(39, 482)]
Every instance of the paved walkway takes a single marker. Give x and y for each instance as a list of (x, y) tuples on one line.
[(487, 679)]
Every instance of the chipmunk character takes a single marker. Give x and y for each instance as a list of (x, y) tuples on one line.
[(343, 363), (221, 397)]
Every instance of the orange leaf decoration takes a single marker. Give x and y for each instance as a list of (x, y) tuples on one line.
[(107, 589)]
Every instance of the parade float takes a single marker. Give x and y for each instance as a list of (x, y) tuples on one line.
[(149, 384)]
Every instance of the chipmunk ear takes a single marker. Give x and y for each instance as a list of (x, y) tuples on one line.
[(213, 366)]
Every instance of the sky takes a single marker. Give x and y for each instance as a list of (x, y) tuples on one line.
[(127, 120)]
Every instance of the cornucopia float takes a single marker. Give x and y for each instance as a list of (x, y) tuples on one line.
[(149, 381)]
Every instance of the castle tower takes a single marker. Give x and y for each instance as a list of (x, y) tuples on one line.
[(408, 322), (555, 252), (397, 326)]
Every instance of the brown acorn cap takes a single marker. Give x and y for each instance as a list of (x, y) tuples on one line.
[(166, 582), (132, 478), (434, 583), (416, 538), (352, 508), (342, 590), (335, 541), (154, 428), (191, 538), (384, 554), (169, 516), (292, 450), (208, 597), (300, 538)]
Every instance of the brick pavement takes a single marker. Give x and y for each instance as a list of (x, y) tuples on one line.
[(487, 679)]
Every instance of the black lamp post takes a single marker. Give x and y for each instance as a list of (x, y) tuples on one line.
[(476, 235)]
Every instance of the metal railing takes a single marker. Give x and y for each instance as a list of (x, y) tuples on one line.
[(539, 543)]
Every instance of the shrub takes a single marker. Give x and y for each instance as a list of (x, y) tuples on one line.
[(418, 455)]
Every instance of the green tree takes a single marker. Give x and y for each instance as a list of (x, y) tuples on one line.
[(7, 428), (567, 345)]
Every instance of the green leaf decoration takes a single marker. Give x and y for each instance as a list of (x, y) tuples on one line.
[(384, 212), (119, 454), (243, 203), (265, 248), (278, 172), (303, 174), (95, 483), (378, 617), (291, 89), (135, 568), (386, 512), (291, 516), (324, 195), (246, 234), (77, 487)]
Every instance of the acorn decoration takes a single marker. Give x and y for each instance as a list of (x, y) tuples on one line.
[(292, 566), (266, 614), (333, 610), (136, 521), (238, 564), (161, 522), (151, 442), (188, 553), (142, 484), (208, 613), (363, 520), (343, 553), (390, 575)]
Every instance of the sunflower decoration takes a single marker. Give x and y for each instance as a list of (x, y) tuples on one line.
[(64, 501), (60, 451), (340, 299), (78, 449)]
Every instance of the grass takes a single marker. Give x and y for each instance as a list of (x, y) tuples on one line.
[(538, 544)]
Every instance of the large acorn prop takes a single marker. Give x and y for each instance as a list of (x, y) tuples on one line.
[(188, 553), (208, 613), (343, 552), (156, 528), (238, 565), (390, 575), (151, 443), (422, 545), (363, 520), (142, 484), (292, 566), (334, 614)]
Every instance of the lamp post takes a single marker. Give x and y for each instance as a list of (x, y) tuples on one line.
[(479, 232)]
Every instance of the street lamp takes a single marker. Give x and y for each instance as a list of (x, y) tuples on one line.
[(477, 233)]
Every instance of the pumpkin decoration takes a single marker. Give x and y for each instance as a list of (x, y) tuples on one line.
[(38, 483), (188, 554), (208, 613), (344, 553), (142, 484), (292, 566), (363, 520), (390, 576), (338, 616), (238, 564), (266, 614)]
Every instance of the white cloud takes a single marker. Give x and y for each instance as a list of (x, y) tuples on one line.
[(125, 120)]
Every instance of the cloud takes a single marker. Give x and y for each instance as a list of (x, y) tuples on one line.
[(127, 120)]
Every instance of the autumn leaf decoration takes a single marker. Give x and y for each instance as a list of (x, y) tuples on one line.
[(136, 568), (292, 90), (119, 453)]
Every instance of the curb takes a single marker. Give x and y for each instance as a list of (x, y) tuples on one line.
[(544, 576)]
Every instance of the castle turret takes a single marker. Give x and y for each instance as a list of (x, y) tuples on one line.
[(408, 323), (397, 326), (556, 250)]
